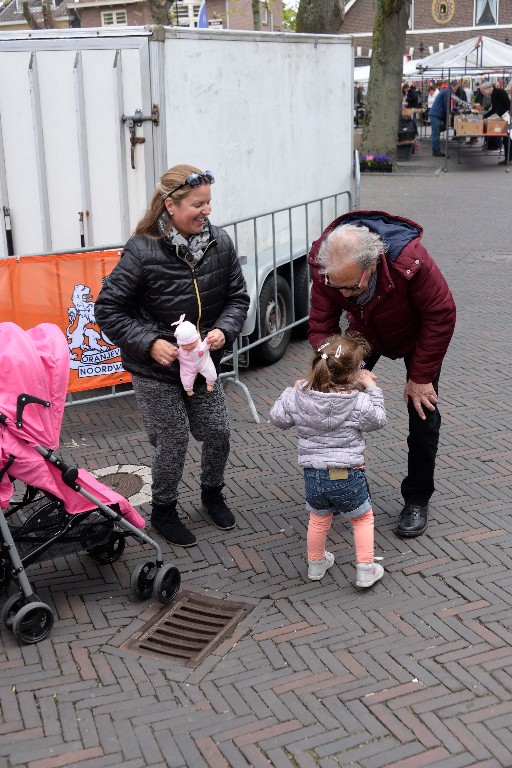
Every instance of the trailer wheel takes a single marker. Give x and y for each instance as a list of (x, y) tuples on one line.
[(273, 317), (302, 291)]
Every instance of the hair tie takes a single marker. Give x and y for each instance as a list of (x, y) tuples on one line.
[(324, 356)]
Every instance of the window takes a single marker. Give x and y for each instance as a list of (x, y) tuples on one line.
[(486, 12), (186, 14), (264, 13), (114, 18), (410, 22)]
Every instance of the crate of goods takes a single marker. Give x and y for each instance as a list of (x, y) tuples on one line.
[(496, 125), (468, 125)]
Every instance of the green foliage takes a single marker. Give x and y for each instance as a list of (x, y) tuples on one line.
[(289, 17)]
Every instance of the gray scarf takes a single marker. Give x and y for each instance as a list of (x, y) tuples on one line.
[(195, 244)]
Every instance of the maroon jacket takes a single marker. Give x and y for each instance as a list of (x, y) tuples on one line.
[(412, 309)]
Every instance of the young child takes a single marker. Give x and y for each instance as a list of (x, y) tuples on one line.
[(194, 356), (331, 409)]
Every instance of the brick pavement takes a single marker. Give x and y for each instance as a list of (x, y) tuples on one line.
[(415, 672)]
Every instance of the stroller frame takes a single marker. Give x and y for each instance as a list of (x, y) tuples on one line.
[(30, 619)]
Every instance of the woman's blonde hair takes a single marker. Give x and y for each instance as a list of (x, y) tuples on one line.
[(168, 181), (336, 363)]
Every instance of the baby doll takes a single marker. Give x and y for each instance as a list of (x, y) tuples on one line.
[(194, 356)]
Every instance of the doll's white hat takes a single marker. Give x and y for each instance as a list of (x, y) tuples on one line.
[(186, 332)]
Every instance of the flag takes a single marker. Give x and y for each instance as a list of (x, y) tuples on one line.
[(202, 20)]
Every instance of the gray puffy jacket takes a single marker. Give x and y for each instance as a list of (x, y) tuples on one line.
[(330, 425)]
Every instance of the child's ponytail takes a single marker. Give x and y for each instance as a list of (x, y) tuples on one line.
[(336, 363)]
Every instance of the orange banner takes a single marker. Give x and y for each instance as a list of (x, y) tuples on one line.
[(61, 289)]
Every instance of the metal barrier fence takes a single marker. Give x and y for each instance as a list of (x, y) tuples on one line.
[(272, 248)]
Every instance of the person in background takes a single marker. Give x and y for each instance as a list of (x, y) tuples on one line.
[(438, 114), (413, 98), (373, 266), (460, 91), (176, 263), (500, 105), (466, 84), (331, 410)]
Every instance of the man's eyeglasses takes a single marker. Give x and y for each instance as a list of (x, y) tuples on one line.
[(195, 180), (346, 287)]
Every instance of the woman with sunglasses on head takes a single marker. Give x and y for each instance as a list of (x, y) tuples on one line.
[(177, 263)]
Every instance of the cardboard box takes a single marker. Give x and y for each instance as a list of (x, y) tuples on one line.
[(468, 125), (496, 125)]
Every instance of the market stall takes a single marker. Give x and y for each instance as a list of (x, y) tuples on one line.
[(480, 57)]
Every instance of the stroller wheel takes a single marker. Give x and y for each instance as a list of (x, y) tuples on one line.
[(142, 580), (11, 607), (167, 584), (33, 623), (5, 576), (109, 552)]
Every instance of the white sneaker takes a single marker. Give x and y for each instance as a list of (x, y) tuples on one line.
[(367, 574), (317, 568)]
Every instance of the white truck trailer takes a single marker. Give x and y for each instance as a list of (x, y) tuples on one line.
[(90, 118)]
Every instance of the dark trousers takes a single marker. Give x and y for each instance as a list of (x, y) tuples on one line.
[(423, 439)]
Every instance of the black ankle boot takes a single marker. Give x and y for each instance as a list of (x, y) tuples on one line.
[(165, 520), (214, 504)]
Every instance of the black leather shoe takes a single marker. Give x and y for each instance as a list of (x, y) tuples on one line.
[(413, 520), (438, 154)]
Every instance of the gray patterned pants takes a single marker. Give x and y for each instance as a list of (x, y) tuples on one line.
[(169, 415)]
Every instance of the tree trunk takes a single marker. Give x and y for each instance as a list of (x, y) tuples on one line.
[(256, 15), (384, 99), (160, 12), (48, 19), (321, 17), (29, 16)]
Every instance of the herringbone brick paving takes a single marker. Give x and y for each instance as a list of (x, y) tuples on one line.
[(415, 672)]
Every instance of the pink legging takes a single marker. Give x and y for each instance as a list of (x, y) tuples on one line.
[(363, 536)]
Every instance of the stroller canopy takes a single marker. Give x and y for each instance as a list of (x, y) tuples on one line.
[(34, 363)]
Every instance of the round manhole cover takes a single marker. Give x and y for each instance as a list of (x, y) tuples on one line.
[(125, 483)]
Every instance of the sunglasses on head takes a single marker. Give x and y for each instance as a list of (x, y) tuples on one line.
[(195, 180)]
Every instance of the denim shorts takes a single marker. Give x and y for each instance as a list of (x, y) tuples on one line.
[(349, 498)]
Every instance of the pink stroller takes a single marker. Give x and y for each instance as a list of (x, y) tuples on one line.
[(63, 509)]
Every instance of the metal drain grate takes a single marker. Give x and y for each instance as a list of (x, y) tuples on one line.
[(190, 630), (125, 483)]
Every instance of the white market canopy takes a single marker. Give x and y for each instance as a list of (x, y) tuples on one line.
[(362, 74), (479, 52)]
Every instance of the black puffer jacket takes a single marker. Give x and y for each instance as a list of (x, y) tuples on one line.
[(151, 287)]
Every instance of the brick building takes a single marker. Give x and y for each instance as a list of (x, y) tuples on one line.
[(433, 24), (222, 14)]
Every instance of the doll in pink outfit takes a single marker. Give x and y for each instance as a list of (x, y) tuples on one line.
[(194, 356)]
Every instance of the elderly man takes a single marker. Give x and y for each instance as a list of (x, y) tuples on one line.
[(372, 265)]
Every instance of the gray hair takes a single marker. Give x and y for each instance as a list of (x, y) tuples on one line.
[(350, 242)]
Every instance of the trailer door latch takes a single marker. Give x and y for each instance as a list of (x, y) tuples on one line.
[(132, 121)]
